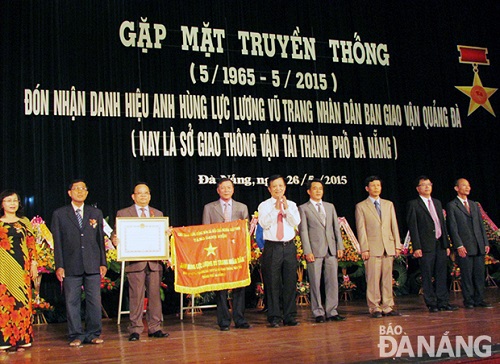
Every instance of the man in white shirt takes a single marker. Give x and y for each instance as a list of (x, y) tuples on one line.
[(278, 218)]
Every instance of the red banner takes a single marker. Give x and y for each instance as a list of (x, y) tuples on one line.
[(211, 257)]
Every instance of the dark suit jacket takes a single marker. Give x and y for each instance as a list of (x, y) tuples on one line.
[(421, 225), (316, 237), (212, 212), (77, 250), (466, 229), (154, 265)]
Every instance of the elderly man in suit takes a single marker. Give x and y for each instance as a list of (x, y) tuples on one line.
[(322, 242), (226, 209), (431, 246), (378, 235), (470, 241), (80, 260), (143, 276)]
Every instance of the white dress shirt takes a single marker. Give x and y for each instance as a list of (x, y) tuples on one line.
[(268, 219)]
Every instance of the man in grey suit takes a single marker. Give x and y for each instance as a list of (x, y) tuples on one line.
[(143, 276), (378, 235), (431, 246), (80, 260), (225, 209), (322, 242), (469, 240)]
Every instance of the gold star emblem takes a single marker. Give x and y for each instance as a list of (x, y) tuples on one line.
[(211, 250), (479, 95)]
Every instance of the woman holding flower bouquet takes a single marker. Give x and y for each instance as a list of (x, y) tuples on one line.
[(17, 268)]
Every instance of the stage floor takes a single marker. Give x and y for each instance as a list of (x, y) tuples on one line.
[(197, 339)]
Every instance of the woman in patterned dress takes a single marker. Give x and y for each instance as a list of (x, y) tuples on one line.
[(18, 267)]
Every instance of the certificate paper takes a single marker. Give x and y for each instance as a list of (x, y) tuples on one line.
[(142, 238)]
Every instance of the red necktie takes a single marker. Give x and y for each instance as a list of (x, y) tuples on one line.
[(467, 207), (143, 212), (280, 233)]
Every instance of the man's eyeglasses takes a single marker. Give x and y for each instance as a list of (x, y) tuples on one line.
[(425, 185), (79, 189)]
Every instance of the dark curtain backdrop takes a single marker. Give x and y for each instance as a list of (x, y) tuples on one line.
[(56, 45)]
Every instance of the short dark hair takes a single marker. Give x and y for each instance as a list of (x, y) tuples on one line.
[(140, 183), (317, 180), (458, 179), (7, 193), (420, 178), (74, 182), (222, 180), (371, 179), (275, 177)]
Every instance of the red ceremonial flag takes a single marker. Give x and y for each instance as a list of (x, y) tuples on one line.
[(211, 257)]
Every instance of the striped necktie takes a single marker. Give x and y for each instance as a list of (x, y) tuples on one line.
[(78, 214)]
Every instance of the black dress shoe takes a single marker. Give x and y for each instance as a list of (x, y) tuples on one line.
[(448, 308), (469, 307), (133, 336), (483, 304), (433, 309), (336, 318), (224, 328), (274, 324), (244, 325), (320, 319), (391, 313), (376, 314), (158, 333), (290, 323)]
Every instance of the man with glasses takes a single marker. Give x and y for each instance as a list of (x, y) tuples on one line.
[(144, 277), (430, 243), (80, 261)]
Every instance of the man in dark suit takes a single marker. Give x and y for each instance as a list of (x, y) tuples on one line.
[(80, 260), (143, 276), (226, 209), (378, 235), (469, 240), (430, 243), (322, 242)]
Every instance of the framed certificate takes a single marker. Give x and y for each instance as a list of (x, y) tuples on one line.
[(142, 238)]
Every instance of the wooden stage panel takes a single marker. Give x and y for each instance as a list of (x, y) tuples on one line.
[(198, 340)]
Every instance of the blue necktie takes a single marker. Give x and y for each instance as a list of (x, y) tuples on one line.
[(377, 206), (78, 213)]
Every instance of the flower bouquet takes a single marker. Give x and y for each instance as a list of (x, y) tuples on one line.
[(39, 306), (108, 285), (44, 245)]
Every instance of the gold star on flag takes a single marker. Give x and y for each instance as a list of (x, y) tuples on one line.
[(210, 250), (479, 95)]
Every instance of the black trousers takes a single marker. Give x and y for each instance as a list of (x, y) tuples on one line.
[(472, 277), (223, 314), (435, 264), (279, 266)]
